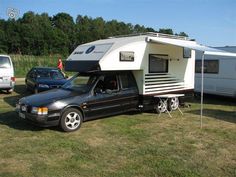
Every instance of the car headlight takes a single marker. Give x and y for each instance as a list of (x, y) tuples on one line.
[(39, 110), (43, 86)]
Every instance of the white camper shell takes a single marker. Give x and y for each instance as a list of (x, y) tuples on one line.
[(158, 64)]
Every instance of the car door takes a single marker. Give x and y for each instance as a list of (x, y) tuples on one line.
[(129, 97), (105, 98), (31, 79)]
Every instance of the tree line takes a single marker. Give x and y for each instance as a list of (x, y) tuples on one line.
[(41, 34)]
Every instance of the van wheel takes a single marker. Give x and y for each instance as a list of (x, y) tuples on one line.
[(173, 104), (71, 120)]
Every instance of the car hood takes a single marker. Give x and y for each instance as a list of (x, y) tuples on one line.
[(45, 98), (51, 81)]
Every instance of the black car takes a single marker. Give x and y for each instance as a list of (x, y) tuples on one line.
[(44, 78), (81, 98)]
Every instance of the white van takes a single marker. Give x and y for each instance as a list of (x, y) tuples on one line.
[(7, 79)]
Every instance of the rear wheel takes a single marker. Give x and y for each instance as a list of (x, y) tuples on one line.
[(71, 120), (9, 91), (173, 104)]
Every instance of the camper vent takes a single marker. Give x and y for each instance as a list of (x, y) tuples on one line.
[(158, 83), (152, 34)]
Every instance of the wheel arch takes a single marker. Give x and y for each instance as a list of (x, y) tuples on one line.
[(72, 106)]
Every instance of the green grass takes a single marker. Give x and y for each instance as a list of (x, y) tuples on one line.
[(125, 145), (23, 63)]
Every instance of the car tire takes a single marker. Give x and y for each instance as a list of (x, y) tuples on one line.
[(71, 120), (9, 91)]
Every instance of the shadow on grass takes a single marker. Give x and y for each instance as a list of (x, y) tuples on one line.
[(11, 120), (21, 92), (215, 100), (228, 116)]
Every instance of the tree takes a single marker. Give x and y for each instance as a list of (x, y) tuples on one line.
[(41, 34), (166, 31), (183, 34)]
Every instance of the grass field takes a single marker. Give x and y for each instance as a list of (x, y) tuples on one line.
[(23, 63), (125, 145)]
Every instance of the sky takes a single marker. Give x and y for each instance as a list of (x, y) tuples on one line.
[(210, 22)]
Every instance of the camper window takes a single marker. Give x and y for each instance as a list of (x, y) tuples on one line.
[(210, 66), (158, 64)]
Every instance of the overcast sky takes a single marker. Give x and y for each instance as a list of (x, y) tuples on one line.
[(210, 22)]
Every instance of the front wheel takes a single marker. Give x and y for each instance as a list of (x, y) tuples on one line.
[(71, 120), (160, 107)]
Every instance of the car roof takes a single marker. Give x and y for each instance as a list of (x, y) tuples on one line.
[(44, 68), (4, 56)]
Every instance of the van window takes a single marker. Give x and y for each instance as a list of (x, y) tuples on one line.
[(4, 62)]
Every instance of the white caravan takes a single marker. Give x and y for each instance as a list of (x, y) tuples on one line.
[(219, 74)]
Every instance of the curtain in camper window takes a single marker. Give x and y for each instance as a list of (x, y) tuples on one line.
[(158, 63)]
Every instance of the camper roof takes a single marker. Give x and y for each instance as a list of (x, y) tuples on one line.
[(96, 55)]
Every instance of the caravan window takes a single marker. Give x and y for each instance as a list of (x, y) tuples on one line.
[(210, 66), (158, 63)]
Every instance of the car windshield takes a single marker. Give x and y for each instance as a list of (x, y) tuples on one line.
[(4, 62), (50, 74), (80, 83)]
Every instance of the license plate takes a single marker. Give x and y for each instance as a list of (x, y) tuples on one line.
[(21, 115)]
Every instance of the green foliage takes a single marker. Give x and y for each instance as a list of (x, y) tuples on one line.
[(40, 34), (23, 63)]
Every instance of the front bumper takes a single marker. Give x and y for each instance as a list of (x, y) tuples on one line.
[(40, 120)]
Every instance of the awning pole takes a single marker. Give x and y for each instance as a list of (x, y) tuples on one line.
[(202, 84)]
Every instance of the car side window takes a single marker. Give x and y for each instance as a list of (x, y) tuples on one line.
[(111, 83), (107, 84), (34, 74), (127, 81)]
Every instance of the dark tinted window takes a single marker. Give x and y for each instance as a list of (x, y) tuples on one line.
[(5, 62), (52, 74), (158, 64), (110, 82), (127, 81), (210, 66)]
